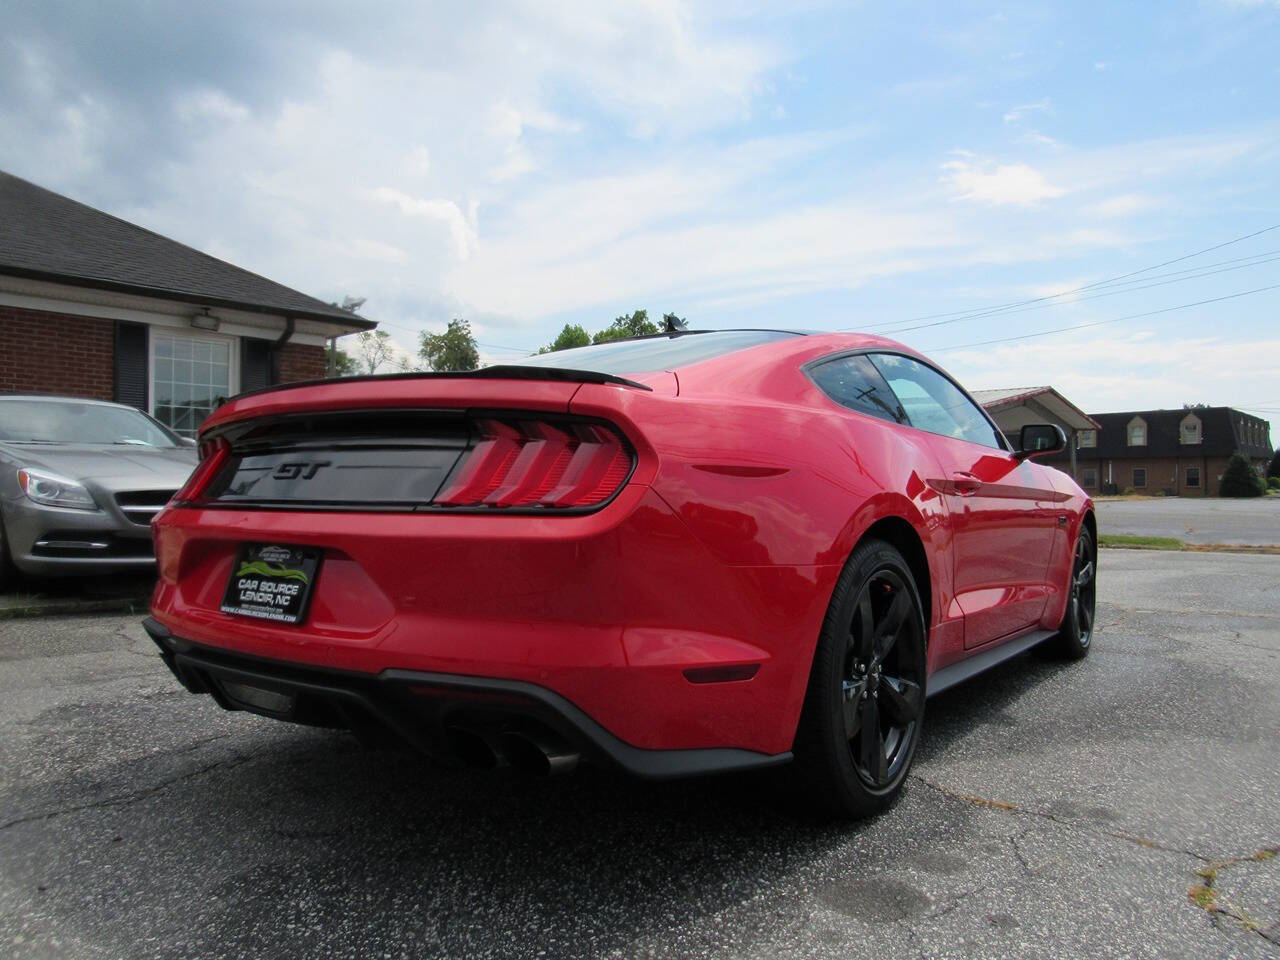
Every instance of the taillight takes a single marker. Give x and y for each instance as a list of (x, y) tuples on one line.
[(539, 464), (213, 454)]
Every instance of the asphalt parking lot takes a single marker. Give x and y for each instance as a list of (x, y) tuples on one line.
[(1055, 810), (1193, 520)]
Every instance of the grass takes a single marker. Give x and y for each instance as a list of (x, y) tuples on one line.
[(1140, 542), (1132, 541)]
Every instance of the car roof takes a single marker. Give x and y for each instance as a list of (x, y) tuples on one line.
[(56, 399)]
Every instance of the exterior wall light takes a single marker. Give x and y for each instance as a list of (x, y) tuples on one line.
[(204, 320)]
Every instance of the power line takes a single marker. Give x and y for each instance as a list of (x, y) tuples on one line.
[(1099, 323), (1129, 287), (1042, 302), (963, 314)]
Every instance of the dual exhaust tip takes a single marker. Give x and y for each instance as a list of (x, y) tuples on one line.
[(533, 751)]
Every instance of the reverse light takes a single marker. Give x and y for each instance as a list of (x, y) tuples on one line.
[(54, 490), (539, 464), (213, 454)]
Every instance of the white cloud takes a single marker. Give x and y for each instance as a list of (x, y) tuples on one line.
[(1001, 184), (1123, 205), (1020, 113), (443, 211), (210, 105)]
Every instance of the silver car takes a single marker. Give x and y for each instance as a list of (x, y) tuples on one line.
[(80, 481)]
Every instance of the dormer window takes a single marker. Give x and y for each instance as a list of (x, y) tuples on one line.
[(1189, 432), (1088, 438), (1137, 432)]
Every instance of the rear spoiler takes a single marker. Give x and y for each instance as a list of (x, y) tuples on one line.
[(500, 371)]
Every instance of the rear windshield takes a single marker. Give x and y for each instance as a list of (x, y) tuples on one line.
[(654, 353)]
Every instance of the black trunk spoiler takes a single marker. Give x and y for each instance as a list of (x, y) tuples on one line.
[(497, 372)]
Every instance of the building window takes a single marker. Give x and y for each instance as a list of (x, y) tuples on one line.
[(1139, 478), (1088, 438), (1193, 476), (1089, 477), (1137, 432), (189, 377), (1190, 430)]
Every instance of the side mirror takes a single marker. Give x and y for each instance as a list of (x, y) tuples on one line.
[(1037, 439), (186, 441)]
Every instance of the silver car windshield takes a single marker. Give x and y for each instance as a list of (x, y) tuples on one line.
[(62, 421)]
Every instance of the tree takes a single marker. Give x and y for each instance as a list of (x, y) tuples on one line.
[(637, 324), (573, 335), (453, 350), (340, 363), (1240, 479), (1273, 468), (373, 349)]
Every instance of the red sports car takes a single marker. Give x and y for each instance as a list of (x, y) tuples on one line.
[(678, 554)]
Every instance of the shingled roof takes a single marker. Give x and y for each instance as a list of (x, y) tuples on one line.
[(1221, 435), (46, 236)]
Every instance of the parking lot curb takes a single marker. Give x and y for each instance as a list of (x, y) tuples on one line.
[(70, 607)]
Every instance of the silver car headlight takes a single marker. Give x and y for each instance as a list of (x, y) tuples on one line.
[(54, 491)]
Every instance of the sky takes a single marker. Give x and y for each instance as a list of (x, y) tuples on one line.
[(893, 168)]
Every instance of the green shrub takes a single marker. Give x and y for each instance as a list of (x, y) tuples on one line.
[(1240, 479), (1273, 483), (1127, 492)]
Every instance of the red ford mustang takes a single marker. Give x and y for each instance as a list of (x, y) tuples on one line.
[(678, 554)]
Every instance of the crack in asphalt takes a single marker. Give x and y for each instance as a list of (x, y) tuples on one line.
[(1204, 895), (125, 799), (1073, 823), (1208, 897)]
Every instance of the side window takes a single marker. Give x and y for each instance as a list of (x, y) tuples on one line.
[(855, 383), (934, 403)]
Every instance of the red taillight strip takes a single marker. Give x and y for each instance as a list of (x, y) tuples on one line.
[(213, 454), (485, 467), (536, 460), (539, 464), (587, 473)]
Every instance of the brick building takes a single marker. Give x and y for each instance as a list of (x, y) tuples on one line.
[(1175, 452), (94, 306)]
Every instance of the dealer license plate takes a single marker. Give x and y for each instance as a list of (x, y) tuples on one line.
[(271, 582)]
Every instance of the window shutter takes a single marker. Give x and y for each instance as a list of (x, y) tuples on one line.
[(131, 364), (255, 363)]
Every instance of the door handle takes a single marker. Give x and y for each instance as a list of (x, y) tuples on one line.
[(966, 484)]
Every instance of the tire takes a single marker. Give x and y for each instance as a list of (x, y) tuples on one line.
[(1075, 633), (864, 705), (7, 570)]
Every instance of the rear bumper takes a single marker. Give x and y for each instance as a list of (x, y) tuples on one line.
[(427, 711), (610, 611)]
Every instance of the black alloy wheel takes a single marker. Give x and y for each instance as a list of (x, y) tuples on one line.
[(865, 703), (883, 689), (1076, 632)]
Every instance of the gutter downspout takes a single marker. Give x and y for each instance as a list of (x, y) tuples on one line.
[(278, 346)]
